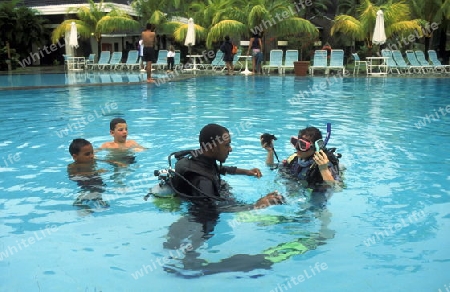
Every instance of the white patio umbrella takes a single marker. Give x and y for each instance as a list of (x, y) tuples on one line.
[(379, 35), (190, 35), (73, 37)]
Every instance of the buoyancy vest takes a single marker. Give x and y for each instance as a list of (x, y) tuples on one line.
[(308, 171), (189, 167)]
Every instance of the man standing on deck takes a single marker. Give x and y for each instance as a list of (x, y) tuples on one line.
[(148, 38)]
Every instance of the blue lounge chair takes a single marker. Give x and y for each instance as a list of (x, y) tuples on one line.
[(398, 58), (218, 63), (132, 61), (432, 55), (161, 62), (115, 61), (414, 62), (358, 63), (177, 61), (236, 61), (420, 55), (90, 60), (320, 62), (391, 63), (337, 61), (290, 58), (105, 56), (275, 61)]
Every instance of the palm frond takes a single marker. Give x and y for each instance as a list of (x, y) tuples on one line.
[(395, 12), (257, 14), (225, 27), (405, 28), (180, 33), (61, 30), (109, 24), (446, 9), (293, 26), (157, 17), (348, 25)]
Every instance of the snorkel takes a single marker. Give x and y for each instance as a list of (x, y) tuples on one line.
[(320, 144), (328, 135)]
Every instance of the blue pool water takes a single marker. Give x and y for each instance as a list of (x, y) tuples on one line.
[(70, 78), (386, 230)]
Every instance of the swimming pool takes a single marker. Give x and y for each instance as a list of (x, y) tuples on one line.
[(387, 230)]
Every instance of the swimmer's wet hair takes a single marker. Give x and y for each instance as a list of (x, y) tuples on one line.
[(77, 144), (114, 122), (312, 133)]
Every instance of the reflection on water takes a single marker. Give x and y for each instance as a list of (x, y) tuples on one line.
[(99, 77)]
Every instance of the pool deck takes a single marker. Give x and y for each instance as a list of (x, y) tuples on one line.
[(124, 77), (137, 76)]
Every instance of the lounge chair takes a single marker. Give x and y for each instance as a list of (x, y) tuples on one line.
[(420, 55), (115, 62), (217, 63), (337, 61), (131, 62), (217, 56), (90, 60), (414, 62), (275, 61), (290, 58), (398, 58), (391, 63), (236, 61), (435, 61), (358, 63), (161, 62), (177, 63), (105, 56), (320, 61)]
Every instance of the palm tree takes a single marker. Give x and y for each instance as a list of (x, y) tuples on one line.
[(260, 11), (291, 24), (21, 26), (216, 18), (348, 7), (396, 18), (157, 12), (204, 14), (93, 20), (432, 11), (238, 18)]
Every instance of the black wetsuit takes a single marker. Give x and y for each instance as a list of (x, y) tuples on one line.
[(202, 177)]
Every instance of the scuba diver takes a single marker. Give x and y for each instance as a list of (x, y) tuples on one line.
[(197, 180), (313, 163), (197, 177), (312, 173)]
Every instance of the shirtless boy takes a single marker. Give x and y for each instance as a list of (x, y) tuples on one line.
[(119, 130), (148, 38)]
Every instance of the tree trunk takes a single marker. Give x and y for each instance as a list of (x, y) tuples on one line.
[(443, 40), (427, 46), (99, 46)]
